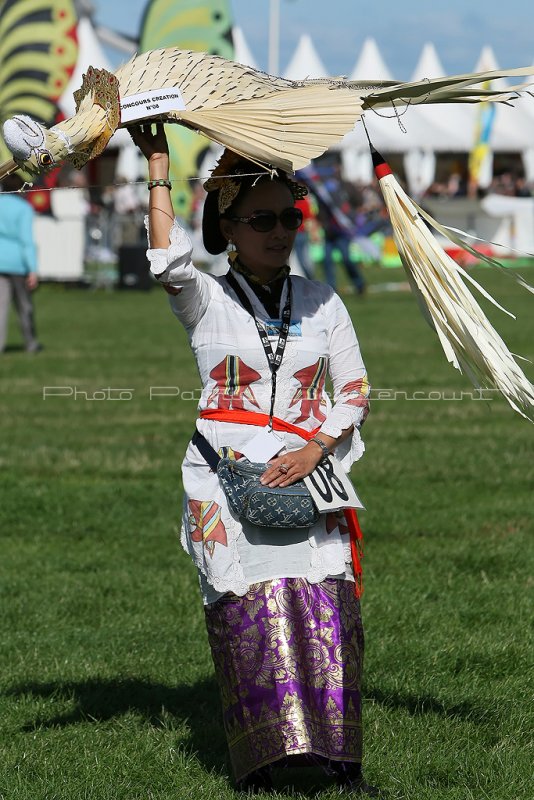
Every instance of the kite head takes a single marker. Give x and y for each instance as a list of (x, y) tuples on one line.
[(35, 149), (84, 136)]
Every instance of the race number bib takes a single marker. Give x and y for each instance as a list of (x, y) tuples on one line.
[(331, 488)]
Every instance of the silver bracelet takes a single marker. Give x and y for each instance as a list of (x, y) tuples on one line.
[(322, 445)]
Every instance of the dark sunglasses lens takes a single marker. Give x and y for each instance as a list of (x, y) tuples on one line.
[(263, 222), (291, 218)]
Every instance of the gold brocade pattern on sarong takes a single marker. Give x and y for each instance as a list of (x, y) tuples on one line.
[(288, 657)]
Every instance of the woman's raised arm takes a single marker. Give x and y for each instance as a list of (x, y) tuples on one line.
[(153, 145)]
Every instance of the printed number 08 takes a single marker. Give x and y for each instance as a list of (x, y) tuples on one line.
[(329, 480)]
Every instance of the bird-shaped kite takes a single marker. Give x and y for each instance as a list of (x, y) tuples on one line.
[(280, 123), (268, 119)]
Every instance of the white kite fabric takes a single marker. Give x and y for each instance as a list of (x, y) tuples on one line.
[(279, 123), (469, 341)]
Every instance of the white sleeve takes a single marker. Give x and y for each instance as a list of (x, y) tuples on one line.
[(174, 268), (350, 384)]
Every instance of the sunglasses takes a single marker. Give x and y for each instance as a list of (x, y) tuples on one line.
[(265, 221)]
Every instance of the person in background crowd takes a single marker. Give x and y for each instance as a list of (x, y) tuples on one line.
[(302, 239), (18, 262), (337, 201)]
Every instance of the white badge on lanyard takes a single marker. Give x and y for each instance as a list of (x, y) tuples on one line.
[(263, 446), (330, 486)]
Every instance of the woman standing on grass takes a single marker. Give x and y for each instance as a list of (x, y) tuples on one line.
[(282, 615)]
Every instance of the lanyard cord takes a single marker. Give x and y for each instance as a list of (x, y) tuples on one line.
[(273, 359)]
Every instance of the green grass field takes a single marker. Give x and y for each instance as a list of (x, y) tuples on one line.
[(107, 689)]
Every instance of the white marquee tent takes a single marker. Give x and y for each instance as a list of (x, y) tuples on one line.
[(455, 121), (513, 130), (513, 126), (370, 63), (434, 129), (417, 132), (90, 53), (242, 52), (410, 133), (422, 132), (305, 62)]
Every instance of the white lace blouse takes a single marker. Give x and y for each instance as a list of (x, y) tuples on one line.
[(231, 555)]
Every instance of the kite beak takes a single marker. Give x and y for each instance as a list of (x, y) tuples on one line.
[(7, 168)]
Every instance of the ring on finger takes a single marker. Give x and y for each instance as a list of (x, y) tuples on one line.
[(283, 468)]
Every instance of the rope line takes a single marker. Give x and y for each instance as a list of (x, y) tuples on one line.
[(200, 178)]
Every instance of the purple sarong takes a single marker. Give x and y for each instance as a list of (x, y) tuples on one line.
[(288, 659)]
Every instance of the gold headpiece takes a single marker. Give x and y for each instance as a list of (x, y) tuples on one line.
[(298, 190), (228, 191), (226, 179)]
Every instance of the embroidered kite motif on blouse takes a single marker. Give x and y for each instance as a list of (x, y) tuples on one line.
[(206, 524), (233, 378), (310, 392)]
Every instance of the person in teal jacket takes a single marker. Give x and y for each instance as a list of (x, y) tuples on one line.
[(18, 262)]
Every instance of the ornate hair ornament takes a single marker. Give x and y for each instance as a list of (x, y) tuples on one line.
[(228, 191), (298, 190), (226, 179)]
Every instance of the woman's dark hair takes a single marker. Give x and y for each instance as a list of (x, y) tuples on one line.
[(214, 241)]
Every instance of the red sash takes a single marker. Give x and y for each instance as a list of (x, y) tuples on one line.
[(255, 418)]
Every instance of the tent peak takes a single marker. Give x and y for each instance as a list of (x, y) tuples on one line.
[(428, 64), (370, 64), (305, 62)]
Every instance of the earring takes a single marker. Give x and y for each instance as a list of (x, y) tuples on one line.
[(232, 251)]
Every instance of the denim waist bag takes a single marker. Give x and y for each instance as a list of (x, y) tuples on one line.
[(279, 507)]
